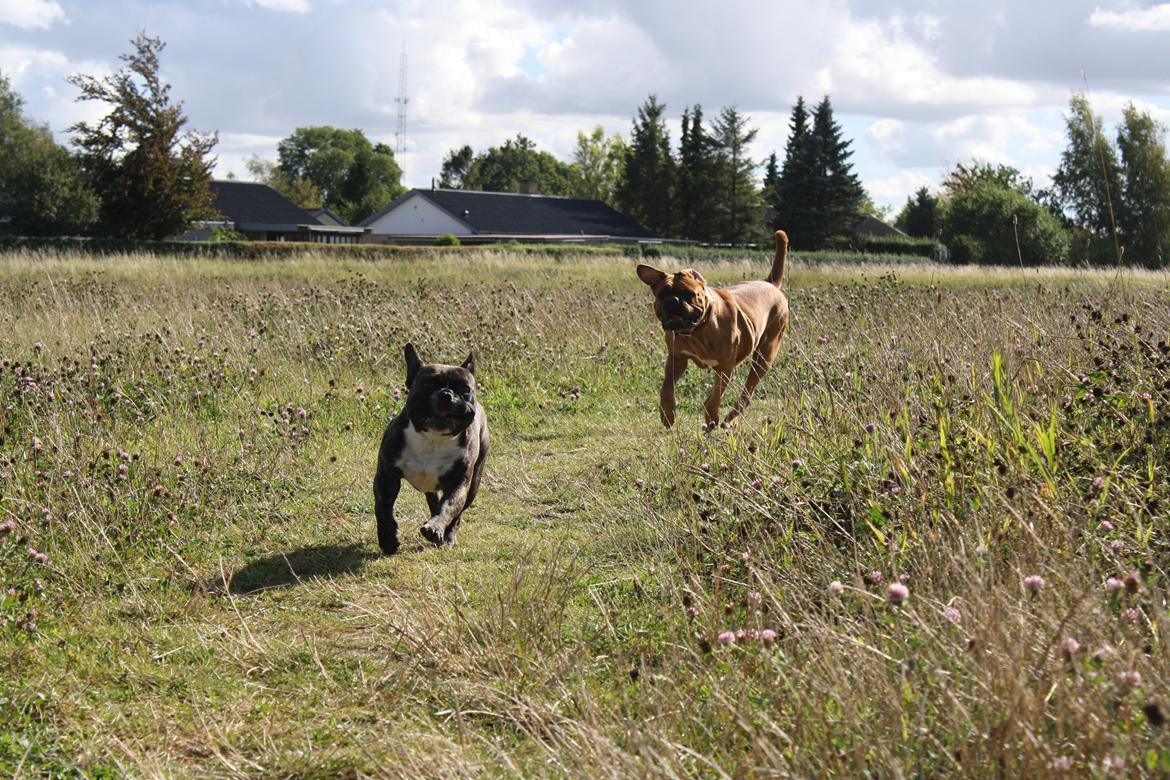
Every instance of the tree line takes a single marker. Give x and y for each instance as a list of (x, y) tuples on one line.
[(705, 189), (141, 173), (1108, 203)]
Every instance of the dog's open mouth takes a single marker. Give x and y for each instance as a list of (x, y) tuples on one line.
[(678, 322)]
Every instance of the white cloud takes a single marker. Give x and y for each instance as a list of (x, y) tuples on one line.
[(1156, 18), (30, 14), (895, 189), (292, 6)]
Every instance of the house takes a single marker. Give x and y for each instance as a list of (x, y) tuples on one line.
[(869, 226), (261, 213), (421, 216)]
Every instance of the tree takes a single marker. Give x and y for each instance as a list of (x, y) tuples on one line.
[(966, 176), (153, 178), (355, 177), (991, 218), (771, 191), (598, 164), (837, 193), (1087, 182), (695, 179), (796, 183), (456, 166), (1144, 214), (920, 217), (516, 162), (299, 190), (647, 189), (738, 201), (40, 184)]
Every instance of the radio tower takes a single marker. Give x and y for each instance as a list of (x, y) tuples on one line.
[(401, 100)]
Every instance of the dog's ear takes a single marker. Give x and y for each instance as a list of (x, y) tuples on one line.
[(469, 364), (650, 275), (413, 364), (698, 277)]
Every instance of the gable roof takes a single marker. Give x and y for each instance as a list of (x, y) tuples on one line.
[(327, 217), (506, 213), (868, 225), (252, 204)]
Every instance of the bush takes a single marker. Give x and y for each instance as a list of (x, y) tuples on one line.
[(892, 245), (224, 235), (448, 239), (981, 224)]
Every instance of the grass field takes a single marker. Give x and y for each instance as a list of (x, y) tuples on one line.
[(189, 584)]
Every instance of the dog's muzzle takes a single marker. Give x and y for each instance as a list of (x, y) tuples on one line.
[(681, 321), (450, 412)]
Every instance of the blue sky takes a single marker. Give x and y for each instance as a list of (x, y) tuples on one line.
[(919, 85)]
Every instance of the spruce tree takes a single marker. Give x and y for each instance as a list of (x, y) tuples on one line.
[(739, 204), (794, 190), (920, 216), (771, 193), (838, 194), (695, 193), (646, 192)]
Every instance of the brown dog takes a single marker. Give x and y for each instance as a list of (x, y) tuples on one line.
[(719, 328)]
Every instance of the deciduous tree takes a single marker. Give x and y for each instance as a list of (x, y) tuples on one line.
[(506, 167), (153, 177), (40, 186), (1144, 215), (456, 166), (598, 164), (354, 176), (299, 190)]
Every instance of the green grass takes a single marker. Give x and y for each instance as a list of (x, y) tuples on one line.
[(186, 441)]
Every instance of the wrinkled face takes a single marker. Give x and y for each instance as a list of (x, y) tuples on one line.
[(680, 298), (442, 399)]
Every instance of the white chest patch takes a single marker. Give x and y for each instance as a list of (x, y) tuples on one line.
[(426, 456)]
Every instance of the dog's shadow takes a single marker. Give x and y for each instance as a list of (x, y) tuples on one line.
[(282, 570)]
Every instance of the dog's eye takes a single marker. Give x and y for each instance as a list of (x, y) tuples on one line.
[(459, 388)]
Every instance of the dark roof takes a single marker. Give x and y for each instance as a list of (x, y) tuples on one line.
[(505, 213), (867, 225), (252, 204), (327, 217)]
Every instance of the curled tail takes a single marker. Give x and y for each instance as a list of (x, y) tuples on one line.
[(776, 276)]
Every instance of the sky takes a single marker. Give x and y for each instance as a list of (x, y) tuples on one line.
[(918, 85)]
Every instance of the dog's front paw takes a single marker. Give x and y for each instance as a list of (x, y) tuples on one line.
[(432, 531)]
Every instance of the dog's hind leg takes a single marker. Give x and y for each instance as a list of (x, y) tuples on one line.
[(762, 360), (386, 485)]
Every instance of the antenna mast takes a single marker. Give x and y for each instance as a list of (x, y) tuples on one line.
[(402, 100)]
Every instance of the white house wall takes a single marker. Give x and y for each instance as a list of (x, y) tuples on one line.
[(417, 216)]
